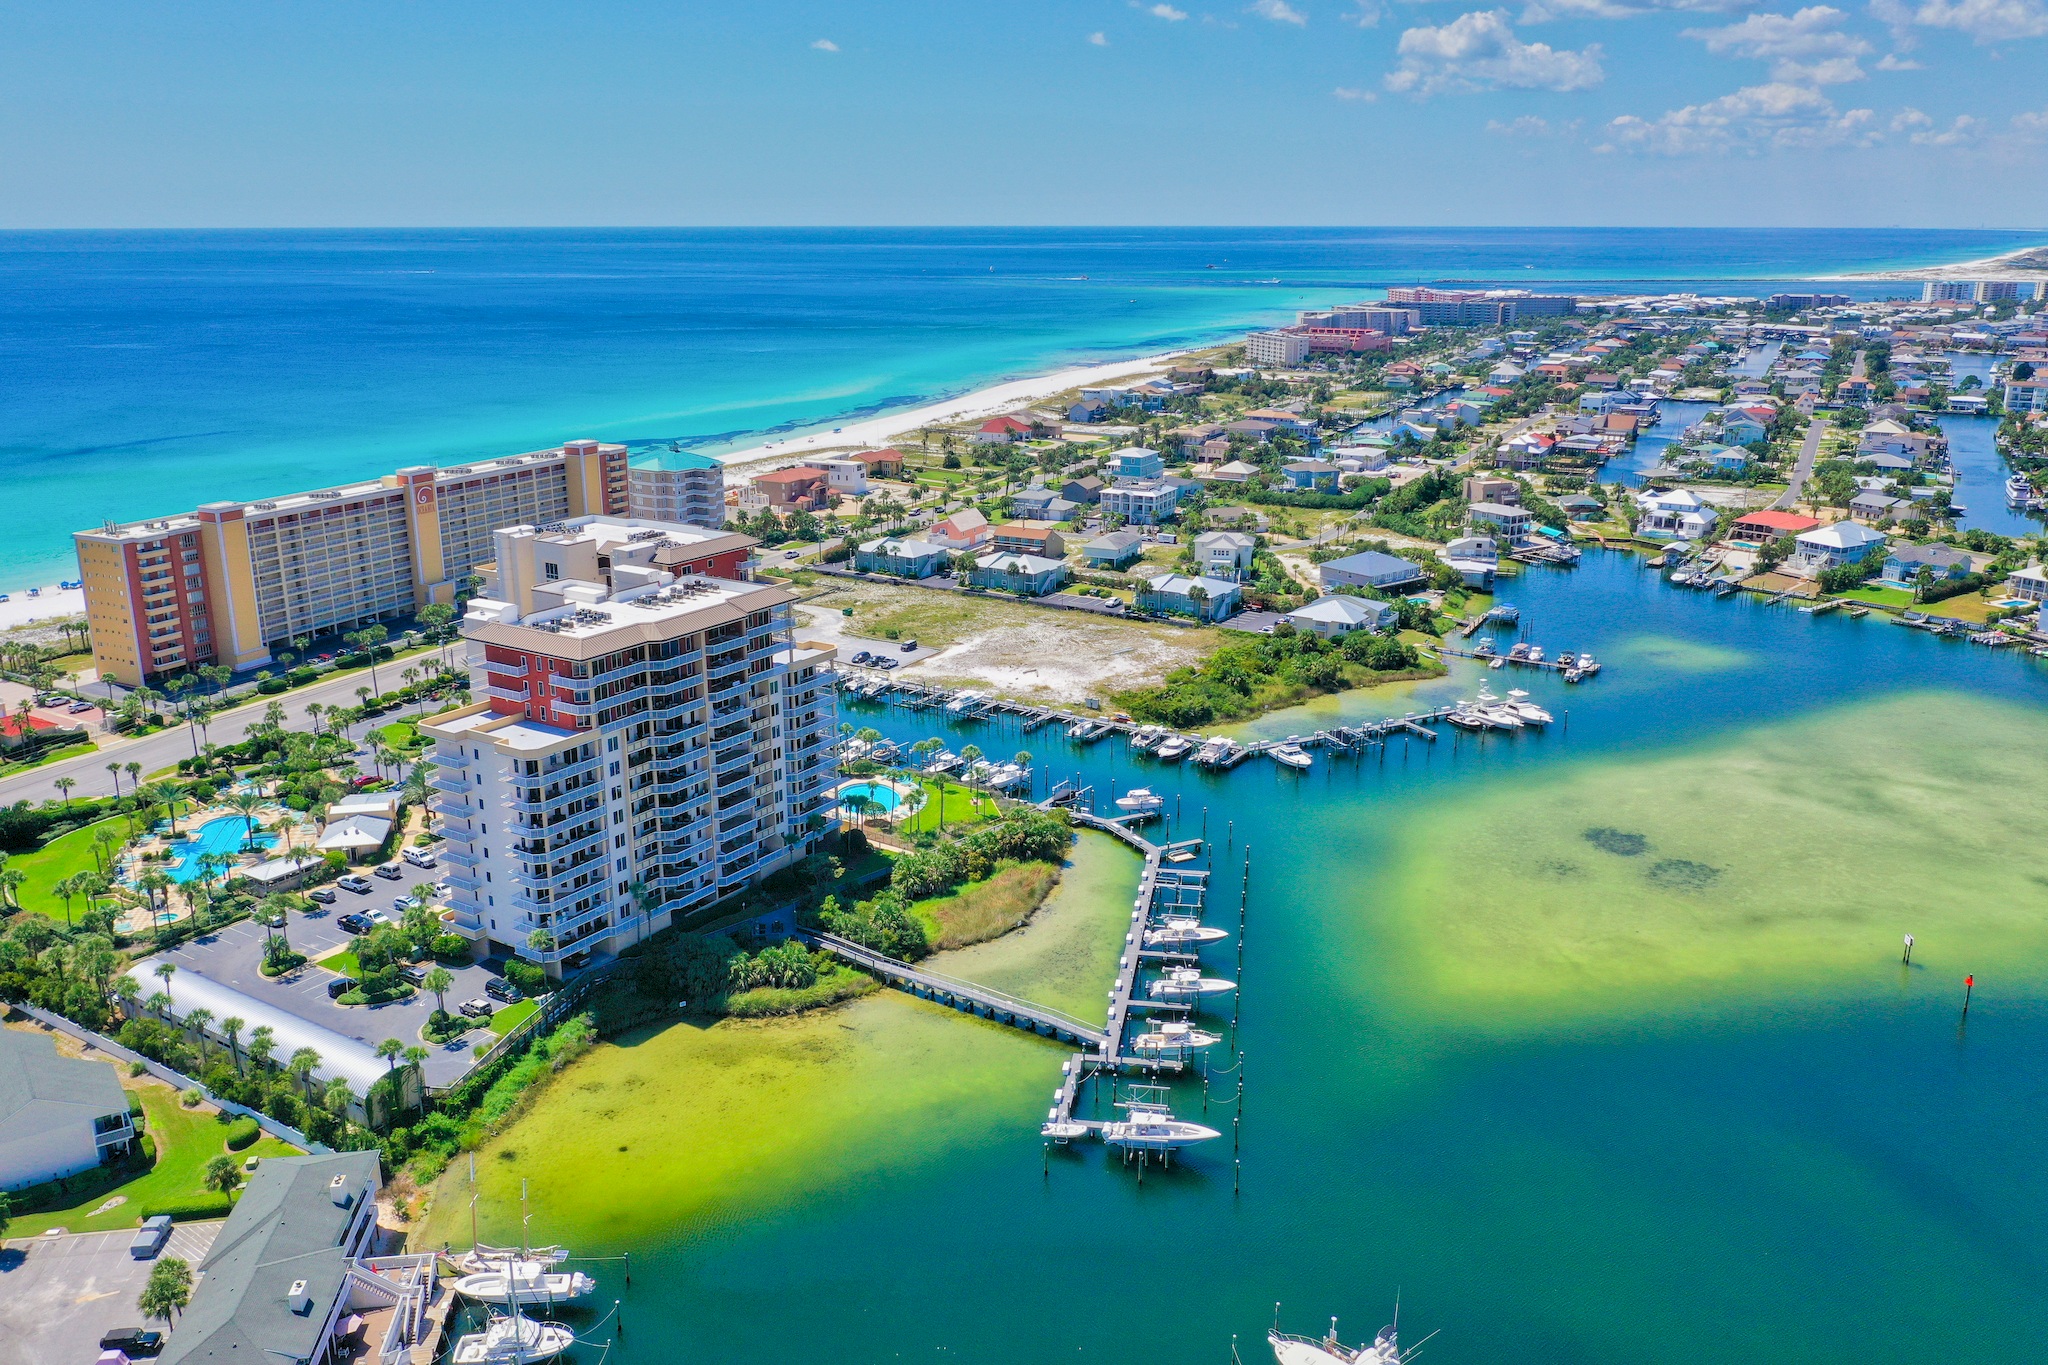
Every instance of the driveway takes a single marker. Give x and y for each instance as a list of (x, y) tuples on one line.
[(59, 1295), (221, 972)]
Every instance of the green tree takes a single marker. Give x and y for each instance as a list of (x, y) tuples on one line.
[(169, 1289), (223, 1174), (438, 981)]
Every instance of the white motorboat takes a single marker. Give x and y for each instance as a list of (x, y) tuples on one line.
[(1149, 1126), (528, 1281), (1172, 748), (1291, 754), (1588, 666), (1171, 1036), (1140, 801), (964, 702), (1529, 711), (1495, 712), (1293, 1350), (1181, 929), (2019, 491), (1146, 737), (944, 761), (1188, 983), (1062, 1130), (513, 1341), (1079, 729), (483, 1257), (1498, 663)]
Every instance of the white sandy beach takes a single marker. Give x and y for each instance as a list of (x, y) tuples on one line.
[(2028, 263), (988, 402), (19, 609)]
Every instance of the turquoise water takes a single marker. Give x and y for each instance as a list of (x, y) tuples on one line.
[(227, 834), (145, 373), (881, 796), (1820, 1168)]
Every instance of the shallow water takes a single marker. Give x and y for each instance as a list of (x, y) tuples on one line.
[(1680, 1103)]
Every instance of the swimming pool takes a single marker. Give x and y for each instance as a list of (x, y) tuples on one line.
[(881, 796), (225, 834)]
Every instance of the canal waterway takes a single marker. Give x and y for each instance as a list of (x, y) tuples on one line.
[(1595, 1045)]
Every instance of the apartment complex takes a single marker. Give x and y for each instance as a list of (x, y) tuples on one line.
[(1983, 291), (1479, 307), (677, 486), (231, 582), (640, 748)]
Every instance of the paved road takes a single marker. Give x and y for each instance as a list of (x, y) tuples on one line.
[(59, 1295), (166, 748), (1808, 452)]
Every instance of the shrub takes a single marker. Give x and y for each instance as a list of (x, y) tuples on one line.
[(242, 1133), (449, 947), (530, 978), (190, 1099), (189, 1210)]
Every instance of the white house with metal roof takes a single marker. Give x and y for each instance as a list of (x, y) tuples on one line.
[(58, 1115)]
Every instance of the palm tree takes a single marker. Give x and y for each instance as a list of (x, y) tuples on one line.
[(313, 711), (164, 971), (67, 888), (153, 884), (104, 844), (857, 805), (389, 1049), (438, 981), (340, 1095), (10, 878), (231, 1027), (414, 1056), (134, 771), (158, 1004), (115, 769), (246, 804), (65, 784), (196, 1021), (302, 1065), (262, 1043)]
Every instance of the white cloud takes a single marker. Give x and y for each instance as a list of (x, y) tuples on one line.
[(1755, 118), (825, 45), (1479, 51), (2032, 124), (1168, 13), (1279, 11), (1964, 129), (1987, 21), (1892, 61), (1540, 11), (1367, 14), (1807, 48), (1098, 39), (1528, 125), (1352, 93)]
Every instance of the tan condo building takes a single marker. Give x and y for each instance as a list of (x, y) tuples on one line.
[(233, 581)]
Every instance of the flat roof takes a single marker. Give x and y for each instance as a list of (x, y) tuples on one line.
[(640, 615)]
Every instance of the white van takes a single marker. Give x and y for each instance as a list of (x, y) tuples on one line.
[(418, 857)]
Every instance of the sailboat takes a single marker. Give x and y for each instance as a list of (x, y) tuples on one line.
[(512, 1339)]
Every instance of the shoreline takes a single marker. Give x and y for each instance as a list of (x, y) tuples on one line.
[(989, 401), (2028, 262), (53, 602)]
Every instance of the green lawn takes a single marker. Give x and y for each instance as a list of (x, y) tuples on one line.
[(959, 807), (185, 1139), (1880, 597), (505, 1019), (341, 961), (65, 856)]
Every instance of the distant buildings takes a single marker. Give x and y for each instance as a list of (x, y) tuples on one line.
[(1983, 291), (1284, 347), (1479, 307), (902, 556), (1205, 599), (677, 486), (1802, 302)]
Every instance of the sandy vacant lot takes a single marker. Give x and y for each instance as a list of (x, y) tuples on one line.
[(1029, 653)]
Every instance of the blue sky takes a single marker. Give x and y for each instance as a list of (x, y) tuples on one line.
[(303, 113)]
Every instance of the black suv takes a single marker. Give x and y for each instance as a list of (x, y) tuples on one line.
[(340, 986), (500, 989), (354, 924), (133, 1341)]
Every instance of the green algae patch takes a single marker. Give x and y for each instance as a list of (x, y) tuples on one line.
[(1791, 858), (688, 1125), (1669, 654)]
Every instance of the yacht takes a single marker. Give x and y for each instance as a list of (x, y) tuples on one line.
[(1176, 930), (2019, 491), (1491, 708), (1293, 1350), (1188, 983), (513, 1341), (528, 1281), (1148, 1125), (1531, 714), (1140, 801), (1172, 748), (1215, 752), (1468, 720), (1169, 1036), (1587, 665), (1291, 754)]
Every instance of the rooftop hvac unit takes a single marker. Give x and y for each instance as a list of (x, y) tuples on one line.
[(298, 1300), (340, 1193)]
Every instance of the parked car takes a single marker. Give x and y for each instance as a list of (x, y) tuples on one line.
[(150, 1237), (863, 657), (391, 872), (418, 857), (363, 782), (416, 975), (133, 1341), (340, 986), (498, 988), (79, 707), (356, 883), (355, 924), (791, 554), (377, 916), (479, 1010), (405, 903), (888, 663), (909, 646), (324, 894)]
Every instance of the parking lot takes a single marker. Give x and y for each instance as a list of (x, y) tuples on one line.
[(59, 1295), (230, 961)]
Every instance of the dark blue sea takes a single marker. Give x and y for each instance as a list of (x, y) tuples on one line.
[(142, 373)]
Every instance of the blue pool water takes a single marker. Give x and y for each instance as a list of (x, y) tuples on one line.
[(223, 834), (880, 796)]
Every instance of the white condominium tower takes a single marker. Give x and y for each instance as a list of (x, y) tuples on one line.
[(636, 753)]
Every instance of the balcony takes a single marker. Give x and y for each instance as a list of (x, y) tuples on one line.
[(445, 781)]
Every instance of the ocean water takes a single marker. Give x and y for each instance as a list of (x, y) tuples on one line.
[(144, 373), (1594, 1046)]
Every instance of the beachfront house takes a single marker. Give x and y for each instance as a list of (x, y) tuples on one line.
[(805, 488), (1310, 476), (58, 1115), (903, 556), (1476, 558), (1341, 614), (1235, 471), (1136, 462), (1224, 554), (1759, 528), (1142, 502), (1176, 594), (1025, 574), (1835, 546), (1740, 429), (1088, 410), (966, 529), (1039, 503), (2028, 585), (1371, 569), (1481, 488), (1114, 552), (1903, 565), (848, 477), (1674, 515), (1029, 538), (1001, 430), (1086, 490)]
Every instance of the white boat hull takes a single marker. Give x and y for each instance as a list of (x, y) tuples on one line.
[(1155, 1135), (494, 1287), (510, 1341)]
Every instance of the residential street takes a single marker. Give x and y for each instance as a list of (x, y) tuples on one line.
[(1803, 468)]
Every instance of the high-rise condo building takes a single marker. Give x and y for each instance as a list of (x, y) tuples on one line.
[(232, 582), (678, 486), (641, 747)]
